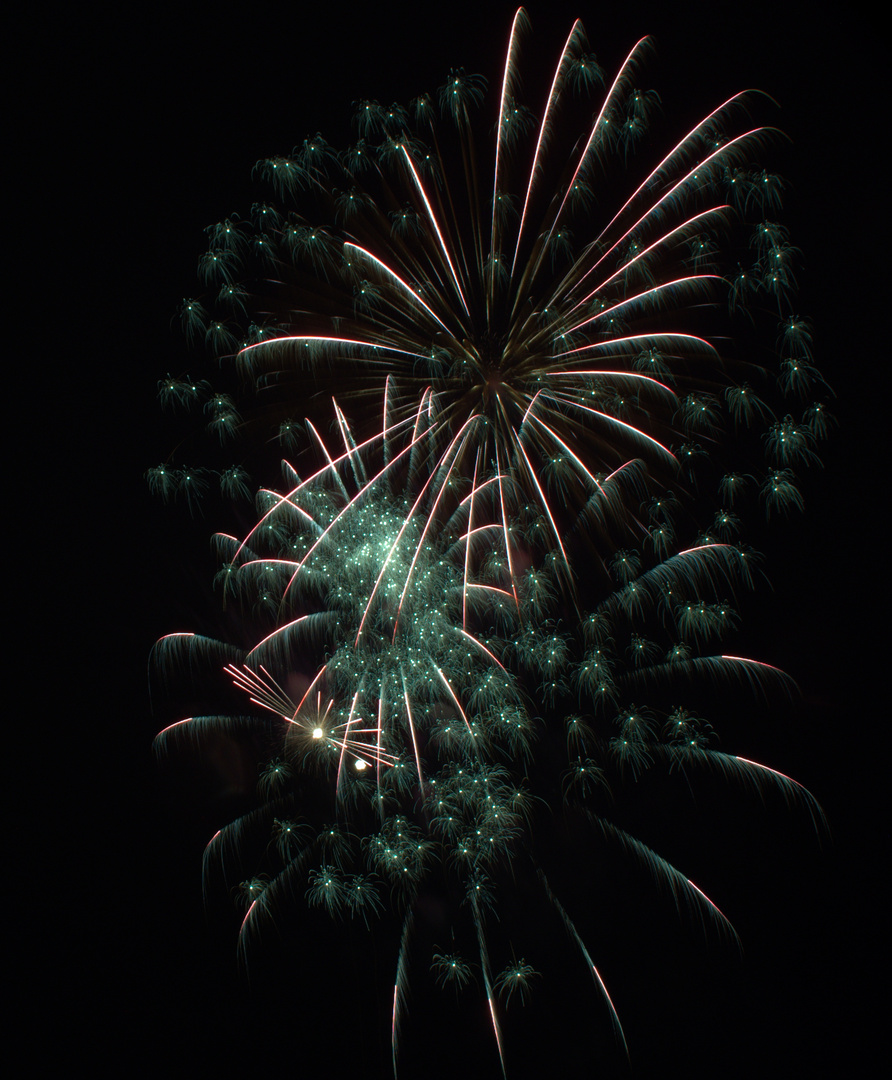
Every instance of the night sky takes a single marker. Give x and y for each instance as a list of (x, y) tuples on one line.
[(146, 128)]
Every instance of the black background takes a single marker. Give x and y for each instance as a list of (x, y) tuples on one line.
[(138, 129)]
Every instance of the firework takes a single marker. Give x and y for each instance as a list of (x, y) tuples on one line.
[(520, 445)]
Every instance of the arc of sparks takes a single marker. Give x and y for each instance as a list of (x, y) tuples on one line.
[(435, 223)]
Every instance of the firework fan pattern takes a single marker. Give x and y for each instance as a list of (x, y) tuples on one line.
[(520, 380)]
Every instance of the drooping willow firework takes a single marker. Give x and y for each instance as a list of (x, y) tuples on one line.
[(519, 443)]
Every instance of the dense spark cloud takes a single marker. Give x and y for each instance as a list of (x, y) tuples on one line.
[(522, 427)]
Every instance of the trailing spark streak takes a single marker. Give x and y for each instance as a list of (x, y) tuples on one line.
[(641, 296), (637, 432), (552, 100), (402, 284), (503, 101), (433, 220), (545, 505), (640, 339), (464, 594)]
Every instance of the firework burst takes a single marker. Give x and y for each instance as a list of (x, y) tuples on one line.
[(520, 443)]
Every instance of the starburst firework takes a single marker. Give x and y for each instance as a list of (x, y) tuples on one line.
[(522, 520)]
